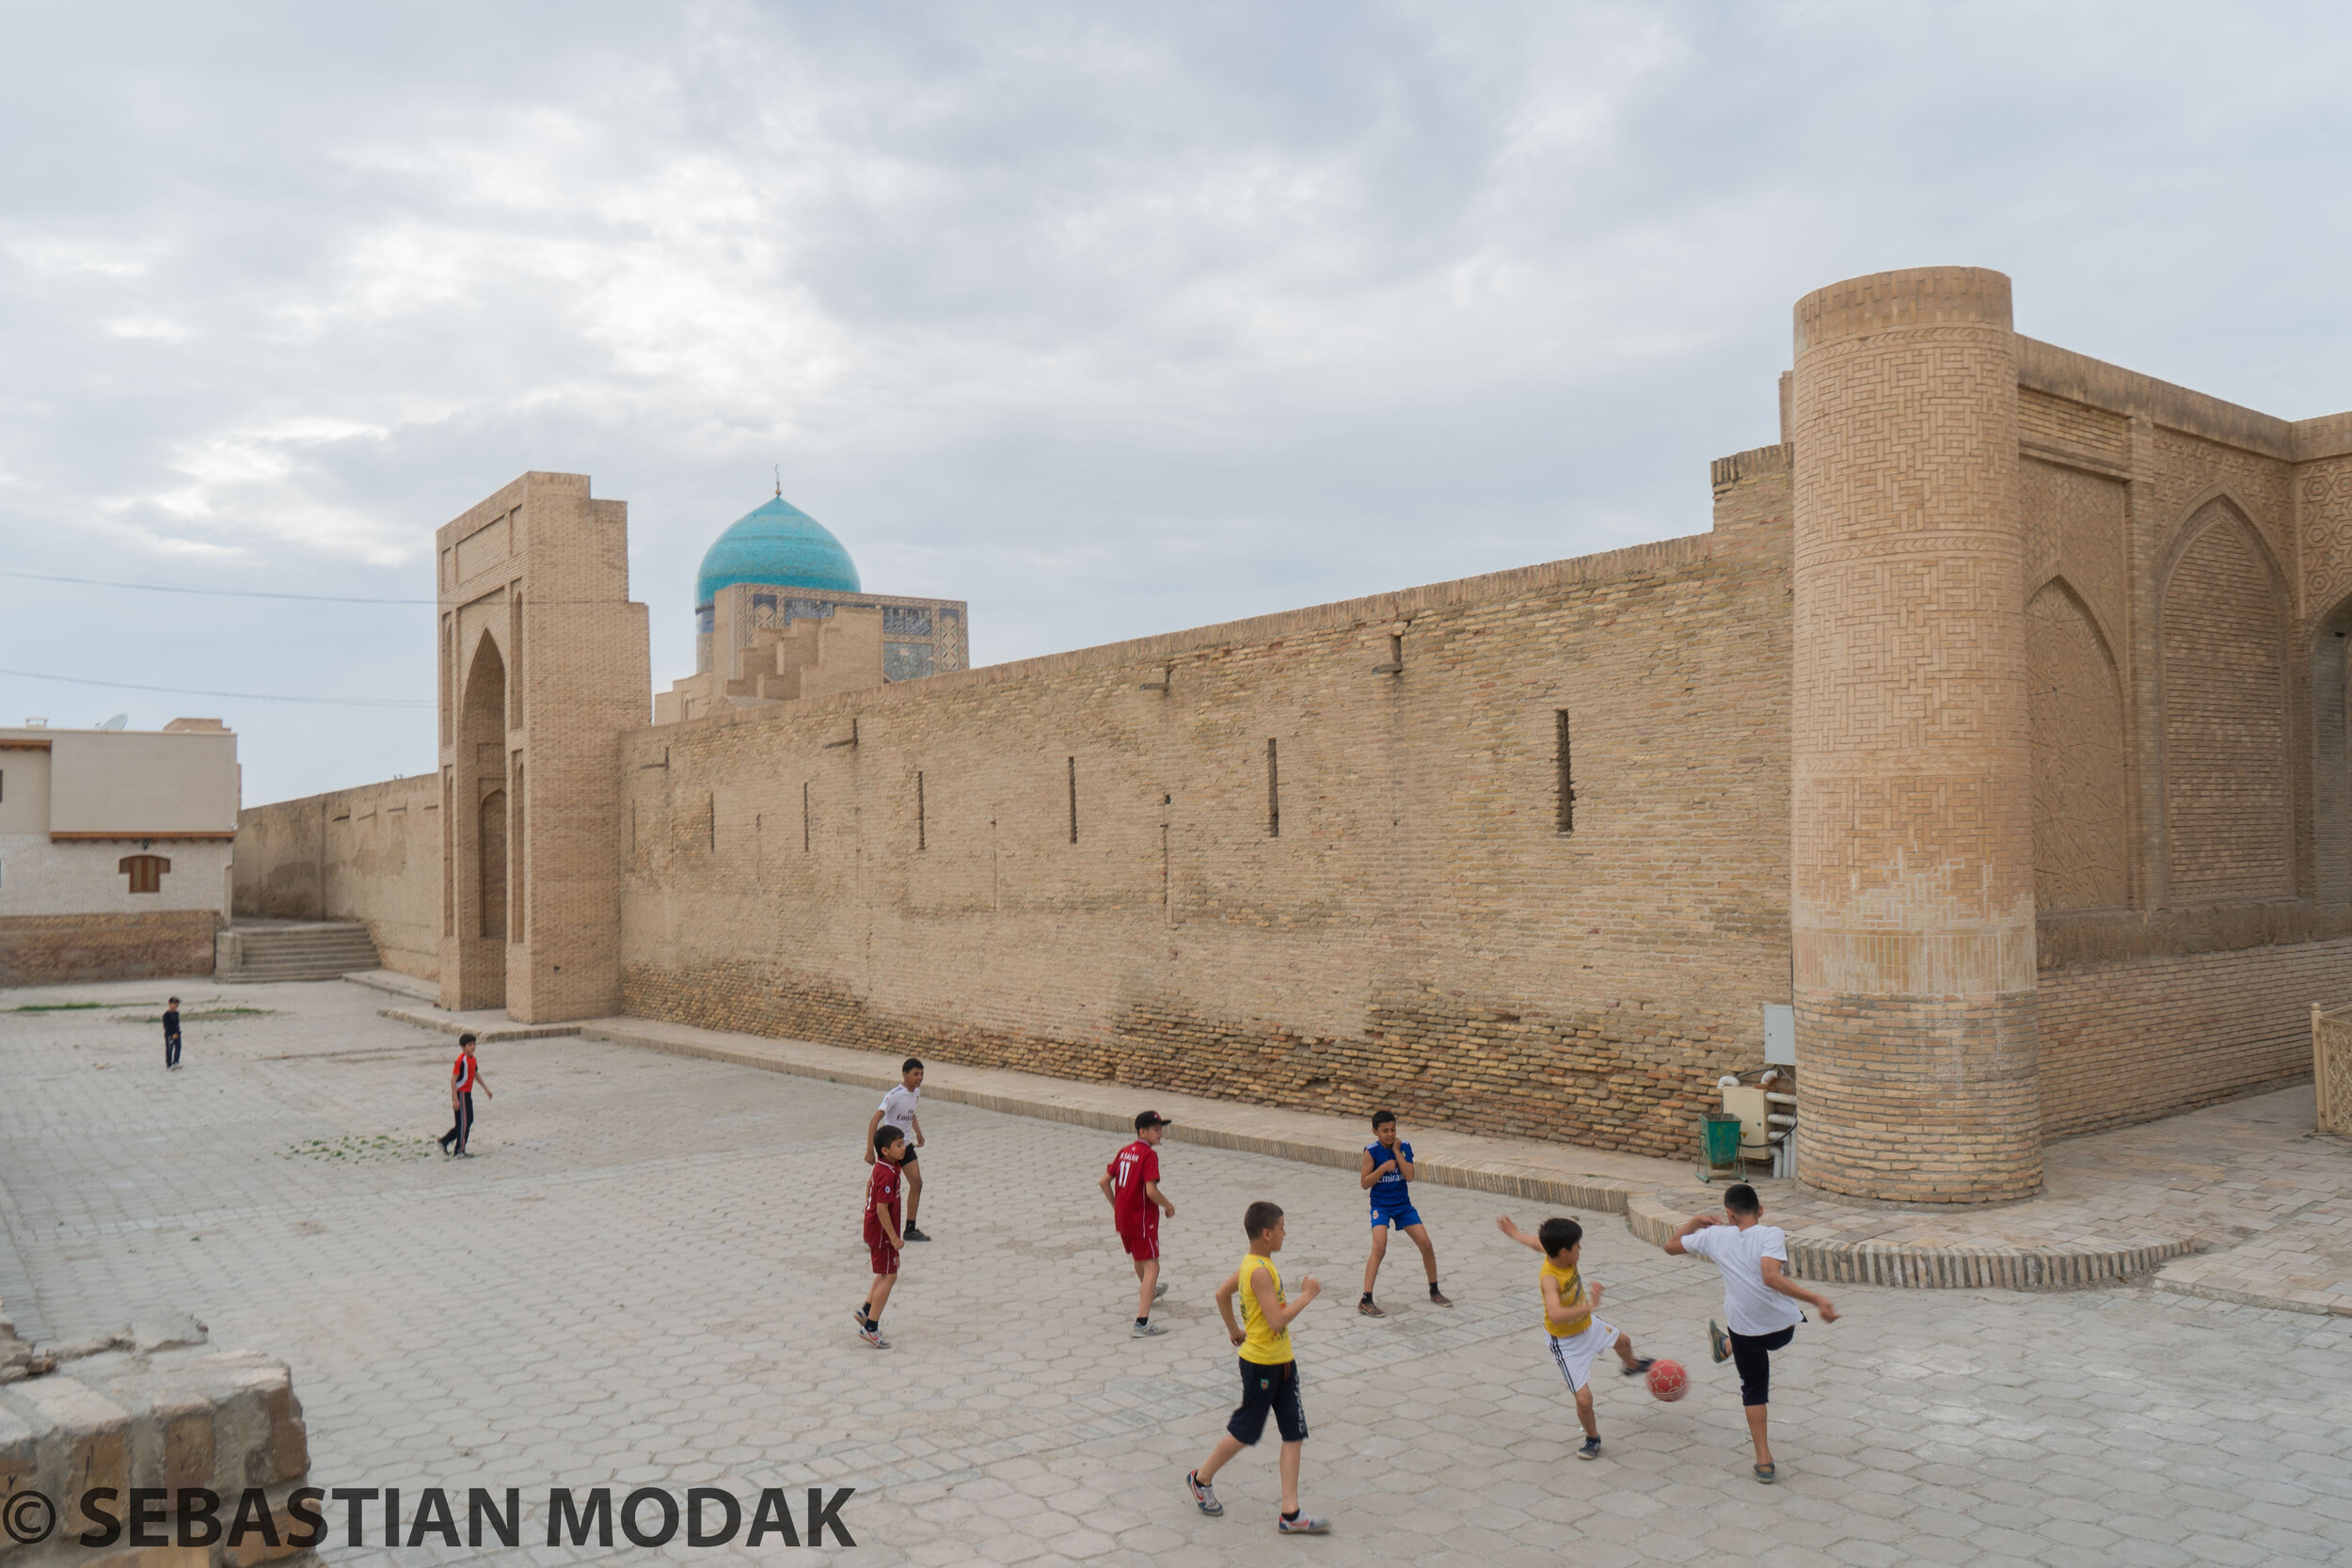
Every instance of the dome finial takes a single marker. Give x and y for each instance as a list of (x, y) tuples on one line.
[(779, 482)]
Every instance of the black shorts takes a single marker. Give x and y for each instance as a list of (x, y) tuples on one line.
[(1752, 1354), (1269, 1388)]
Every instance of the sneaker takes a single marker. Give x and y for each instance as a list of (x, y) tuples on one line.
[(1145, 1330), (1718, 1342), (1204, 1495), (1640, 1365), (914, 1235), (1370, 1309), (1306, 1524), (1591, 1449), (1159, 1289), (1438, 1298), (873, 1335), (859, 1313)]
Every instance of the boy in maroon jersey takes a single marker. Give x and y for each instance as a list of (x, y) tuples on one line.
[(883, 1241), (1132, 1183)]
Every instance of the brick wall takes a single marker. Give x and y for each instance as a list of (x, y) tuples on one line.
[(2125, 1042), (370, 854), (57, 949), (1419, 931)]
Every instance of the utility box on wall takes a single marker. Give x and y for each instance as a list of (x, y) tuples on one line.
[(1780, 1035)]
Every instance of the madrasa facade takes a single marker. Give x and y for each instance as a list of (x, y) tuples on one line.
[(1990, 751)]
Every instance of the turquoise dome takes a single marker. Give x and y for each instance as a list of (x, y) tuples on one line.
[(776, 542)]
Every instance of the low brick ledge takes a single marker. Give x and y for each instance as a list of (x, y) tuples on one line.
[(1642, 1189), (1909, 1265), (458, 1024)]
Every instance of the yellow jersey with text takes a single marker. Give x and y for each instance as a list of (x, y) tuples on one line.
[(1261, 1341), (1571, 1299)]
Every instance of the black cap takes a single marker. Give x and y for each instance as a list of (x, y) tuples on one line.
[(1151, 1118)]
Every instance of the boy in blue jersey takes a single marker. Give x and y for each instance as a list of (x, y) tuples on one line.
[(1385, 1173)]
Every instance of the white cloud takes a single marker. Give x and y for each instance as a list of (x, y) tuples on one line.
[(1110, 320)]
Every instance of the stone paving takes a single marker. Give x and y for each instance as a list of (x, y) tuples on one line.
[(2248, 1188), (645, 1280)]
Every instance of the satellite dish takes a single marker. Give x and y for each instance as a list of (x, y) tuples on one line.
[(119, 721)]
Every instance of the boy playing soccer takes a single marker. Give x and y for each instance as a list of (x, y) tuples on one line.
[(1760, 1301), (1387, 1169), (1132, 1183), (883, 1242), (898, 1110), (1574, 1336), (1269, 1373)]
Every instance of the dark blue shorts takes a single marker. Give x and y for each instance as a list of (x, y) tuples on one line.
[(1404, 1216), (1269, 1388)]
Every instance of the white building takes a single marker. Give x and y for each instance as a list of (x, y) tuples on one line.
[(114, 849)]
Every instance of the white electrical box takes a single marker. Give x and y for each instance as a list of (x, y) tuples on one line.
[(1780, 1035)]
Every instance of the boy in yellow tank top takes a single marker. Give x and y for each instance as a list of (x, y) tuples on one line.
[(1269, 1372), (1572, 1332)]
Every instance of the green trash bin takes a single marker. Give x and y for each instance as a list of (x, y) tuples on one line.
[(1722, 1134)]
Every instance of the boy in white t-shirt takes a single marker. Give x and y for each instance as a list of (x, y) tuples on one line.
[(1759, 1300), (898, 1110)]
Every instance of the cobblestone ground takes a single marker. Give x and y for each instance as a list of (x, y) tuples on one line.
[(646, 1280)]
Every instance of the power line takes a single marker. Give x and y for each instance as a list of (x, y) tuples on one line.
[(239, 696), (211, 592), (260, 592)]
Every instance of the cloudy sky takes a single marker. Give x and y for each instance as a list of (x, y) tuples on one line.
[(1110, 320)]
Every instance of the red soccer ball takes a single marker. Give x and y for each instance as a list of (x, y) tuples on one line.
[(1667, 1381)]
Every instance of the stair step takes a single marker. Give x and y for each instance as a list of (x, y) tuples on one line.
[(325, 952)]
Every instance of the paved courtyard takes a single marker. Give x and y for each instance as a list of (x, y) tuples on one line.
[(646, 1280)]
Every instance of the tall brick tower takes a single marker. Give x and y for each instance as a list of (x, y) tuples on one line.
[(1912, 869), (544, 662)]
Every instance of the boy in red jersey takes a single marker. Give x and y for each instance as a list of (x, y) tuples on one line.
[(1132, 1183), (463, 1078), (883, 1241)]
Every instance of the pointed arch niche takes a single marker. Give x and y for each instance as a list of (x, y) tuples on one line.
[(2081, 823), (480, 820), (2227, 789)]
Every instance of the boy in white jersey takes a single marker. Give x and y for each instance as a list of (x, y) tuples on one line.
[(1760, 1301), (898, 1110), (1574, 1336), (1269, 1372)]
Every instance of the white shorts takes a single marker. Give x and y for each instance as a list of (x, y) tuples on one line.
[(1575, 1354)]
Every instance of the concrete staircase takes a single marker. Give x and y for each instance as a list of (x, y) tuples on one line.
[(253, 955)]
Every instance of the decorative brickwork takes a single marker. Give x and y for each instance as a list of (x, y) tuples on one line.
[(2324, 526), (2081, 797), (2229, 824), (1911, 890), (543, 663), (55, 949)]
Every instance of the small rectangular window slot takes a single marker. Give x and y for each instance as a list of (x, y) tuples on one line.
[(803, 818), (1566, 782), (918, 810), (1073, 800), (1396, 658), (1273, 791)]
